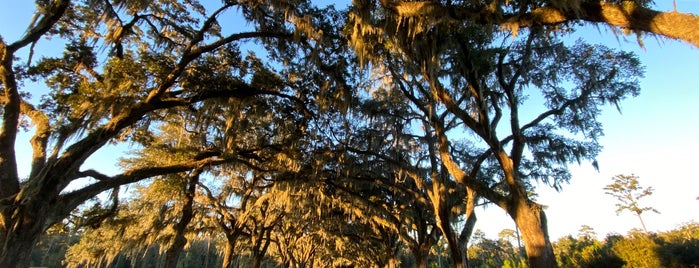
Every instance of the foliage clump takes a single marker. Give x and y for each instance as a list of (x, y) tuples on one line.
[(674, 248)]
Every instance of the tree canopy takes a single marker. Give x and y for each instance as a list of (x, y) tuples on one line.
[(382, 125)]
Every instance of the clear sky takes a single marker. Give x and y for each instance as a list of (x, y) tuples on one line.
[(655, 137)]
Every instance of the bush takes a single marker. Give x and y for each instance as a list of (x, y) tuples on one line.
[(675, 248)]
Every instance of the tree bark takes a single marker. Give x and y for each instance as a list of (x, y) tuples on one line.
[(529, 217), (420, 259), (256, 261), (18, 255), (627, 15), (392, 244), (531, 220), (470, 224), (19, 234), (228, 254), (420, 251), (259, 252), (392, 261), (457, 255), (172, 255)]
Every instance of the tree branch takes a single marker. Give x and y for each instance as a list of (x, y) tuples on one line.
[(41, 134), (627, 15), (460, 175), (47, 21), (9, 181), (73, 199), (193, 52)]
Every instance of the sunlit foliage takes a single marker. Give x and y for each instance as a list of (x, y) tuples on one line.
[(673, 248), (251, 126), (628, 193)]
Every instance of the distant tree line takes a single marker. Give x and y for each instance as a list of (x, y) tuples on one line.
[(674, 248)]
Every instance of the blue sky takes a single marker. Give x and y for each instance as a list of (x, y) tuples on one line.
[(655, 138)]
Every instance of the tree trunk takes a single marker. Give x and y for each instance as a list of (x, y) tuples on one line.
[(444, 224), (257, 260), (421, 261), (392, 262), (643, 224), (228, 254), (531, 220), (529, 217), (17, 248), (172, 255), (259, 253), (455, 251), (457, 255), (420, 257), (21, 228), (467, 230), (208, 252)]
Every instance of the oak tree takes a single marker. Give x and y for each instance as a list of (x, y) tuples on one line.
[(462, 77), (125, 63)]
